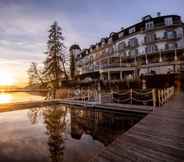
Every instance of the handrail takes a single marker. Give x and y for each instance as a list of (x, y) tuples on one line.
[(164, 95), (152, 97)]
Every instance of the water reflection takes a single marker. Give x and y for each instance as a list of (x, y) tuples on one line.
[(68, 130), (5, 98), (34, 115), (102, 126), (55, 121), (59, 133), (19, 97)]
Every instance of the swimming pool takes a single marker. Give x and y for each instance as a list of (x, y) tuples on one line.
[(60, 133)]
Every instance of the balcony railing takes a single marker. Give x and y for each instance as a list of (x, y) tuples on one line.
[(131, 66), (126, 58), (160, 39), (162, 25)]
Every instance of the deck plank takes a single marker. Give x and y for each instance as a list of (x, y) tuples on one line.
[(157, 137)]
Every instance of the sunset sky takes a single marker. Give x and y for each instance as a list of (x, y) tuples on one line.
[(24, 25)]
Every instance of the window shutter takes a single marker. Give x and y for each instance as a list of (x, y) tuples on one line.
[(166, 46), (155, 37), (145, 40), (176, 45), (174, 33)]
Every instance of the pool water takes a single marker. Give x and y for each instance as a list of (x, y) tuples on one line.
[(59, 133)]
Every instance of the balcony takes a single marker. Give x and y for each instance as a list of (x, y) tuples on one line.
[(161, 39), (171, 38), (117, 65), (162, 26)]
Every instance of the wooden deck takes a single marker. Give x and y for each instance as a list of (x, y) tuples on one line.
[(159, 137)]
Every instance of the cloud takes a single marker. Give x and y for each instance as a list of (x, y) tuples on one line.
[(24, 24), (25, 35)]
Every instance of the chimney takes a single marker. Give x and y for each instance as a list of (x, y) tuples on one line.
[(122, 28), (158, 14)]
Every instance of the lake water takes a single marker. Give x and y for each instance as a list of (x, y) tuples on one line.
[(19, 97), (59, 133)]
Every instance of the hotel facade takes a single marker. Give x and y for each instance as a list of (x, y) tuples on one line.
[(154, 46)]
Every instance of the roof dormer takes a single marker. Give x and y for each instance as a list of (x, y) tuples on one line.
[(146, 18)]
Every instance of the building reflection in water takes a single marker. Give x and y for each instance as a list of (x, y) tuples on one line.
[(102, 126), (61, 121)]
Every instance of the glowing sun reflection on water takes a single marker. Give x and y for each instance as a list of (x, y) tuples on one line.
[(5, 98), (13, 97)]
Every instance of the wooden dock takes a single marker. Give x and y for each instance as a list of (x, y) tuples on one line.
[(109, 106), (75, 103), (159, 137)]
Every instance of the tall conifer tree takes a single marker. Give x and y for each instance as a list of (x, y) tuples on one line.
[(55, 61)]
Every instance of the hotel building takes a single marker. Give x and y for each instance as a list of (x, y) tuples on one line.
[(154, 46)]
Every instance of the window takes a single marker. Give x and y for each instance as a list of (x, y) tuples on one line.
[(91, 49), (110, 50), (150, 38), (132, 30), (151, 49), (170, 46), (147, 17), (168, 21), (133, 42), (170, 34), (106, 50), (110, 40), (133, 52), (103, 43), (121, 46), (97, 46), (149, 25), (121, 35)]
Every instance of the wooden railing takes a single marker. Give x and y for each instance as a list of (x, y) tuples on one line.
[(136, 97), (163, 95), (151, 97)]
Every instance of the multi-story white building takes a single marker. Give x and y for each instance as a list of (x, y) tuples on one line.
[(152, 46)]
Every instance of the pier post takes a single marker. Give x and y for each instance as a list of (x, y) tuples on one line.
[(109, 75), (99, 93), (154, 97), (131, 96), (160, 59), (121, 75), (143, 84), (175, 56)]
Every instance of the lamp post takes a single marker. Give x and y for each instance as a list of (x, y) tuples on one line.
[(160, 59), (99, 93)]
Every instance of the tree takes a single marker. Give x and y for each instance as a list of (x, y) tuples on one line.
[(72, 65), (34, 74), (55, 61)]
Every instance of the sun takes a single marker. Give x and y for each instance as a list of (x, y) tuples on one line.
[(6, 79)]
